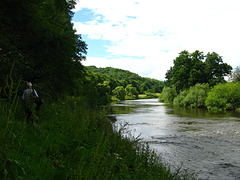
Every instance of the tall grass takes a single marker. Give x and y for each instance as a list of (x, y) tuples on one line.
[(71, 141)]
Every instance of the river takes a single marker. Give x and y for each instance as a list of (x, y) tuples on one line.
[(201, 142)]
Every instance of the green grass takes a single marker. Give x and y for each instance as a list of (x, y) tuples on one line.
[(71, 141), (140, 96), (148, 95)]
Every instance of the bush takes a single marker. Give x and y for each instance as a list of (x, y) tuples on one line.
[(168, 94), (178, 101), (195, 97), (119, 92), (224, 96), (131, 91)]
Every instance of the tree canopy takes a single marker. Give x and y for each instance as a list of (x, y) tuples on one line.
[(38, 38), (119, 77), (192, 68)]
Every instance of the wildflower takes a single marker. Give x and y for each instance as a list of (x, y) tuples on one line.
[(117, 156)]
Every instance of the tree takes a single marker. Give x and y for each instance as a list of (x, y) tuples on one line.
[(190, 69), (168, 94), (120, 92), (95, 89), (187, 70), (39, 37), (118, 77), (131, 91), (197, 71), (102, 94), (216, 69), (235, 76)]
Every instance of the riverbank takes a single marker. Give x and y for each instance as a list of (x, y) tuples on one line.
[(71, 141), (140, 96)]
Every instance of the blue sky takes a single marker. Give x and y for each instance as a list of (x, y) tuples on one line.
[(146, 36), (96, 47)]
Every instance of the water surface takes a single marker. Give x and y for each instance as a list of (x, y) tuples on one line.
[(205, 143)]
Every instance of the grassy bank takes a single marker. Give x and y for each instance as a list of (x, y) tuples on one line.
[(140, 96), (71, 142), (148, 95)]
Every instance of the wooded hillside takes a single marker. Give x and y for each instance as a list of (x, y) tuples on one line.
[(119, 77)]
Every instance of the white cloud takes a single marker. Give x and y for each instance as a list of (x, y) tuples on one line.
[(158, 30)]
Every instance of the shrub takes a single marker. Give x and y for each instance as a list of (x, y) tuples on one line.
[(131, 91), (178, 101), (194, 97), (168, 94), (120, 92), (224, 96)]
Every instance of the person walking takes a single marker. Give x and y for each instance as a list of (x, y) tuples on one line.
[(29, 97)]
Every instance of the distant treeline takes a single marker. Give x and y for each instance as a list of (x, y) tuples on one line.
[(119, 77), (114, 80)]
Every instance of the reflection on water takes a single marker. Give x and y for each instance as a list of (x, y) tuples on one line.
[(205, 143), (201, 113), (120, 109)]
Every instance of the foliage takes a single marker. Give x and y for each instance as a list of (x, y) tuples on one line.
[(118, 81), (179, 99), (8, 109), (120, 92), (71, 142), (39, 37), (95, 89), (194, 97), (190, 69), (131, 91), (119, 77), (224, 96), (216, 69), (168, 94), (235, 76)]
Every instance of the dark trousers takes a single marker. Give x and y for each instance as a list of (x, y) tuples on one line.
[(29, 116)]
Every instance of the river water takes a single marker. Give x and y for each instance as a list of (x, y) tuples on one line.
[(201, 142)]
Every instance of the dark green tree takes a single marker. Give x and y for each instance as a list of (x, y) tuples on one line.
[(38, 35), (190, 69), (216, 69), (197, 70), (186, 70)]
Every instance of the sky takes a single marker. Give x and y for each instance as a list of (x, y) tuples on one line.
[(145, 36)]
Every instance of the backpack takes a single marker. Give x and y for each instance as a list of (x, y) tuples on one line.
[(36, 99)]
